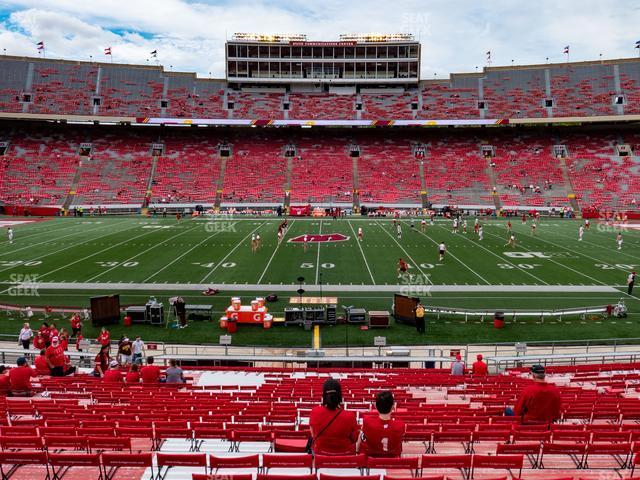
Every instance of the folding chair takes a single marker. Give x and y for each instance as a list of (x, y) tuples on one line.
[(293, 462), (459, 462), (111, 462), (169, 460), (494, 462), (575, 451), (531, 450), (225, 463), (619, 451), (399, 463), (61, 463), (18, 459)]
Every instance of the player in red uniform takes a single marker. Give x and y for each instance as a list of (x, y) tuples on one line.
[(509, 226), (403, 267)]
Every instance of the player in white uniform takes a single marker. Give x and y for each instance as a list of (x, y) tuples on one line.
[(360, 233), (511, 242), (580, 233), (254, 244), (399, 231), (455, 225), (442, 249), (464, 226), (586, 224), (10, 234), (423, 225), (258, 241), (305, 241), (480, 233), (619, 241), (280, 235)]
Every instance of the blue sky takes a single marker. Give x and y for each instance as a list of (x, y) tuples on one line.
[(190, 35)]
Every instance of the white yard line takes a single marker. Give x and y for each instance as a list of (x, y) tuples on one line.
[(189, 230), (264, 272), (181, 256), (54, 238), (73, 245), (231, 252), (318, 257), (561, 265), (503, 260), (426, 276), (35, 232), (355, 237)]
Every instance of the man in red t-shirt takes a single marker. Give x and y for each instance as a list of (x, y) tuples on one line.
[(55, 358), (20, 378), (150, 373), (113, 375), (45, 332), (104, 338), (42, 367), (39, 342), (4, 381), (539, 402), (381, 435), (479, 367)]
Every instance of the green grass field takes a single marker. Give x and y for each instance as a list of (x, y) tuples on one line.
[(65, 261)]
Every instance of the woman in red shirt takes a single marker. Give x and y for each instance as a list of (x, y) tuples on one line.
[(334, 430), (133, 376), (42, 367), (39, 342), (104, 338)]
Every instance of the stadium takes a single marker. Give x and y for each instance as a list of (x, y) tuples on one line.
[(322, 224)]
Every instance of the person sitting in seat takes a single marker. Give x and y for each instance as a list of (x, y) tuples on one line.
[(20, 379), (150, 373), (133, 375), (4, 381), (479, 367), (42, 367), (334, 431), (540, 402), (113, 375), (381, 435)]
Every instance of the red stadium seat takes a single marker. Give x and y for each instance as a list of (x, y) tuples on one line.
[(457, 462), (170, 460), (20, 458), (61, 463), (111, 462), (508, 462)]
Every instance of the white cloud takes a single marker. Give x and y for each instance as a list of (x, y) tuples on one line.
[(455, 34)]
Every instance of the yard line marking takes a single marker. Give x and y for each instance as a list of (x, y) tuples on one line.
[(361, 251), (99, 251), (73, 245), (600, 247), (561, 265), (229, 254), (142, 253), (57, 238), (318, 258), (495, 255), (181, 256), (274, 253), (427, 277), (457, 259)]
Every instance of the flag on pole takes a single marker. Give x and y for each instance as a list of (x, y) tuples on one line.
[(566, 50), (638, 44), (488, 54), (154, 53), (40, 45), (107, 51)]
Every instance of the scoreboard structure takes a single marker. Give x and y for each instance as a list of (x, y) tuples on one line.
[(392, 59)]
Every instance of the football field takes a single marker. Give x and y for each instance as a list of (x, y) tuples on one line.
[(63, 261)]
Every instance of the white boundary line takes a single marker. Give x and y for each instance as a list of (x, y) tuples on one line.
[(492, 253), (274, 252), (229, 254), (326, 288), (189, 230), (427, 277), (357, 240), (37, 232)]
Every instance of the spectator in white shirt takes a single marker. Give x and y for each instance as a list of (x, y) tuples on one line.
[(138, 350), (25, 336)]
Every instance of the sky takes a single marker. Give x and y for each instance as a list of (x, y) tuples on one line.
[(455, 34)]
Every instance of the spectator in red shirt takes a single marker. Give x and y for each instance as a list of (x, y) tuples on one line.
[(334, 430), (101, 362), (57, 360), (479, 367), (381, 435), (76, 325), (45, 331), (39, 342), (42, 367), (150, 373), (20, 379), (64, 339), (113, 375), (539, 402), (133, 376), (53, 332), (4, 381), (104, 338)]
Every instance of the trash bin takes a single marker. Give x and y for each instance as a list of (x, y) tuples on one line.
[(232, 326), (498, 320)]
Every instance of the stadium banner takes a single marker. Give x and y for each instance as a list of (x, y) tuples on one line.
[(300, 210), (319, 123)]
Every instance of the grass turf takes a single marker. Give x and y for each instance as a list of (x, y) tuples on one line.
[(158, 251)]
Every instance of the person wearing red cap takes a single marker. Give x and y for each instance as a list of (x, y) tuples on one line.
[(479, 367), (457, 367), (540, 402)]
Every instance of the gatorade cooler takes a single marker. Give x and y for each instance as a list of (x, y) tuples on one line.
[(254, 305), (235, 303), (232, 326), (498, 320)]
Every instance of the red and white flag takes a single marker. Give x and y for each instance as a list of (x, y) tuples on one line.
[(40, 45), (107, 51)]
